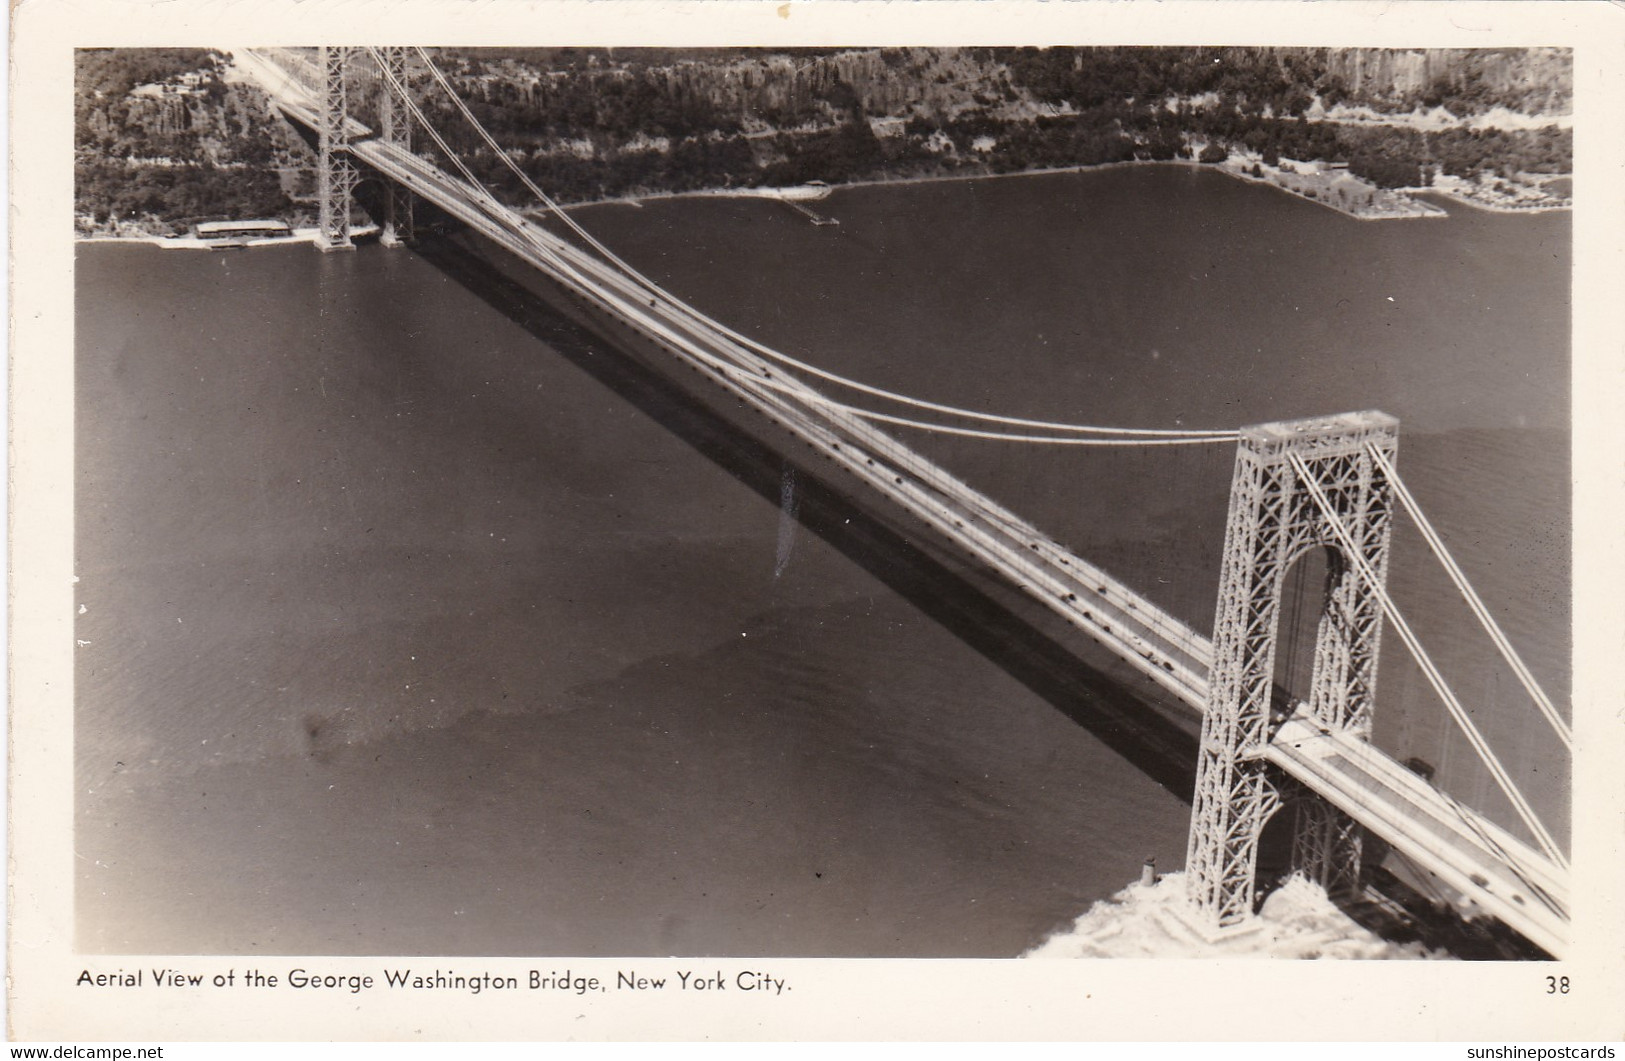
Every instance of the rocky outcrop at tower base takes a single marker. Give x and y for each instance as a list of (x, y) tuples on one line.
[(1157, 921)]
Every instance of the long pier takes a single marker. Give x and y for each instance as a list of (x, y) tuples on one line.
[(1500, 874)]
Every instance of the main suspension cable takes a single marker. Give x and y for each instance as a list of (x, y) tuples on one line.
[(762, 378), (480, 191), (785, 359), (1005, 436)]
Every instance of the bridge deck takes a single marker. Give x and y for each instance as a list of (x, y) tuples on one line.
[(1497, 872), (1494, 870), (1161, 647)]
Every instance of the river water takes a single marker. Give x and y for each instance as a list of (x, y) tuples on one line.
[(421, 622)]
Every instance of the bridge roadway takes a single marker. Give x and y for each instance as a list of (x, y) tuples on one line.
[(1153, 642), (1493, 870)]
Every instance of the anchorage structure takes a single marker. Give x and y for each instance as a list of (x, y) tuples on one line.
[(1274, 521), (336, 175)]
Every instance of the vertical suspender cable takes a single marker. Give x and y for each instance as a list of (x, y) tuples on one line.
[(655, 289), (1521, 806), (1475, 602), (746, 372), (693, 319)]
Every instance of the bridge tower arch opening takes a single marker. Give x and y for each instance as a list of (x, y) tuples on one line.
[(1274, 521), (1306, 588), (336, 173)]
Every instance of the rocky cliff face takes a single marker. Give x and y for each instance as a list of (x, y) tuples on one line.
[(162, 140), (890, 82), (787, 89), (1532, 80), (216, 122), (785, 86)]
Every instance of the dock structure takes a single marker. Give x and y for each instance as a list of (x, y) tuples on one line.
[(259, 229), (812, 215)]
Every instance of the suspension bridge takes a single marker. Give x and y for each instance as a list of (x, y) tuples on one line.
[(1328, 484)]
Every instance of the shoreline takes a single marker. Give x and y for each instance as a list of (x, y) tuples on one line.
[(1410, 208), (300, 237), (1467, 199), (1404, 208), (1230, 168)]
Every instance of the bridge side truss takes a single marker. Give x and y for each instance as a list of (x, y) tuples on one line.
[(1273, 522)]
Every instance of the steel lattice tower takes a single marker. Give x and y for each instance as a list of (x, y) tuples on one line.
[(396, 119), (1273, 522), (335, 172), (336, 175)]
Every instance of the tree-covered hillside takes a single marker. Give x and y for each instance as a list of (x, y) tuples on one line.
[(589, 124), (166, 136), (163, 140)]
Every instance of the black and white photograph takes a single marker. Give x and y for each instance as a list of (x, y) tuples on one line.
[(605, 516)]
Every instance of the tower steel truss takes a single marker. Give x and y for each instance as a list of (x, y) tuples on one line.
[(1273, 522), (395, 119), (335, 172)]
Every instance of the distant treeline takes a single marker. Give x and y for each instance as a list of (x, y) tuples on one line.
[(587, 124), (1010, 110), (1390, 156), (115, 71)]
